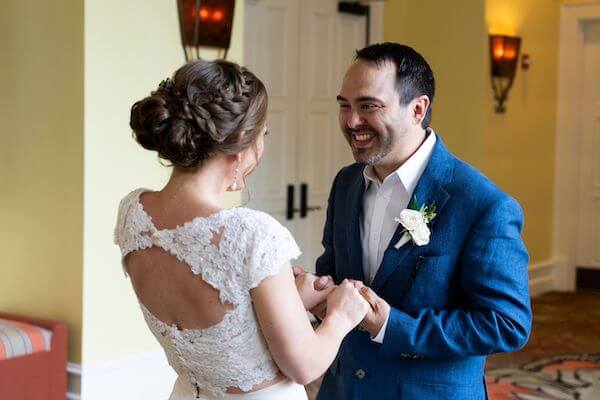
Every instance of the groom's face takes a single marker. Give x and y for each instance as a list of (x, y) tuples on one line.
[(371, 116)]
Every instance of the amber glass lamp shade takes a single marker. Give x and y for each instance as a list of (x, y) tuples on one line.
[(504, 54), (205, 23)]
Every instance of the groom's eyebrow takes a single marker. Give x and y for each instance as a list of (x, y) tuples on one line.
[(361, 98), (369, 98)]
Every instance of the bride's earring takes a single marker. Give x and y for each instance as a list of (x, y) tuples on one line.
[(234, 185)]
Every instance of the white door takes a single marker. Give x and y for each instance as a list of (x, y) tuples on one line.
[(300, 49), (270, 40), (589, 183)]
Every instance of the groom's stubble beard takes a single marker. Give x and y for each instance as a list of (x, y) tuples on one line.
[(374, 154)]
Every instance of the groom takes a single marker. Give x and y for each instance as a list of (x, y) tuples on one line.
[(447, 278)]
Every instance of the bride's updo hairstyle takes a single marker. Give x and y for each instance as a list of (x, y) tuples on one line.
[(207, 108)]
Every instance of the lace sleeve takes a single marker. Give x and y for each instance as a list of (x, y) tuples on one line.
[(128, 224), (119, 232), (271, 247)]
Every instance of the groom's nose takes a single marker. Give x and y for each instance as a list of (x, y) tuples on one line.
[(354, 120)]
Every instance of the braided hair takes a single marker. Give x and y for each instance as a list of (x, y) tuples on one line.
[(208, 108)]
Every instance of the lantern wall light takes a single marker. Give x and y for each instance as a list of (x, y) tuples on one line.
[(205, 23), (504, 54)]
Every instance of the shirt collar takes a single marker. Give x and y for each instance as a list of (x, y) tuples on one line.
[(410, 172)]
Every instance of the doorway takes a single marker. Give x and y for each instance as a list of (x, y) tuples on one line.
[(301, 49), (577, 204)]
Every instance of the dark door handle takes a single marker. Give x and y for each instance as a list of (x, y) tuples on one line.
[(304, 207), (289, 204)]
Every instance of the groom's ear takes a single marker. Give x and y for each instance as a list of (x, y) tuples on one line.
[(419, 107)]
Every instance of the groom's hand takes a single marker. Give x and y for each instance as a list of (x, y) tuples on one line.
[(313, 290), (379, 312), (320, 310)]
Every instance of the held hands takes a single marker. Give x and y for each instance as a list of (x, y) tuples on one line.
[(313, 290), (378, 311), (314, 293), (346, 305)]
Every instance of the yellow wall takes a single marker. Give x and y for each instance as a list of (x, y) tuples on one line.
[(451, 36), (519, 146), (41, 140), (129, 48), (515, 149)]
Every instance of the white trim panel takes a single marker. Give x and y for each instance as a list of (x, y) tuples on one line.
[(145, 376), (542, 277)]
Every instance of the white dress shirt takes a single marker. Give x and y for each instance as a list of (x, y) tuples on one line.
[(382, 202)]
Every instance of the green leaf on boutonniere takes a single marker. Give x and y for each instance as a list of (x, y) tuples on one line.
[(428, 211), (414, 204)]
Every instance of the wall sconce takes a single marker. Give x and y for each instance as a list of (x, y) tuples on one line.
[(504, 53), (205, 23)]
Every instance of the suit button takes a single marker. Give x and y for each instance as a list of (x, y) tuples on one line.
[(360, 373)]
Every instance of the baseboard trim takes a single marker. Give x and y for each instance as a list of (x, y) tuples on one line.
[(141, 376), (542, 277), (73, 381)]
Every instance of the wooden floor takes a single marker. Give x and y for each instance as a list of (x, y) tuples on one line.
[(563, 323)]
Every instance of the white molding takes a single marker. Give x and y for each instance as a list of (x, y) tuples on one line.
[(566, 190), (541, 265), (142, 376), (542, 277), (73, 381)]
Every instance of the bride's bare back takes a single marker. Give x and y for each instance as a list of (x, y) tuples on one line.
[(166, 285)]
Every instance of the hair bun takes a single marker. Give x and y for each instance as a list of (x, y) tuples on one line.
[(148, 120), (155, 128), (204, 110)]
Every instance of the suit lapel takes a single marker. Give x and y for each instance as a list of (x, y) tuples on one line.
[(430, 189), (355, 208)]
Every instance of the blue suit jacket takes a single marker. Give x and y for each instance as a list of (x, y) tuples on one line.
[(461, 297)]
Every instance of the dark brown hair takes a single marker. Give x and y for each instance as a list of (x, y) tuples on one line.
[(208, 108), (413, 75)]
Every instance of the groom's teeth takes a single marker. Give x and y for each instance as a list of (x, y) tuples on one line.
[(363, 136)]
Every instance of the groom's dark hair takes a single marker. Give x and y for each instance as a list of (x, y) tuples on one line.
[(414, 77)]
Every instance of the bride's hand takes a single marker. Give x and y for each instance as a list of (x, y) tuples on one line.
[(312, 289), (347, 305)]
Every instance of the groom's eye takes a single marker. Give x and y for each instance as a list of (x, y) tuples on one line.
[(368, 107), (344, 106)]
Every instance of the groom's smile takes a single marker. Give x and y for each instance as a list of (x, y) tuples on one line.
[(362, 137)]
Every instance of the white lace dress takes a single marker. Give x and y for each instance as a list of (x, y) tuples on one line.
[(232, 353)]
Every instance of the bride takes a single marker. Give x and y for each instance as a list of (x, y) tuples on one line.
[(215, 285)]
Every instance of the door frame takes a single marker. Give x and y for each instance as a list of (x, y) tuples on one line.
[(568, 137)]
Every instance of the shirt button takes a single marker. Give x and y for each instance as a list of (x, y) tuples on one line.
[(360, 373)]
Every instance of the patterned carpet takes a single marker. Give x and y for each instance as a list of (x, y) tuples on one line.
[(561, 360), (569, 377)]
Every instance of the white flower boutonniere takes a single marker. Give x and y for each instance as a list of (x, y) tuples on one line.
[(414, 220)]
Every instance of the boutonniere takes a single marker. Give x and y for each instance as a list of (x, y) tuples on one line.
[(415, 220)]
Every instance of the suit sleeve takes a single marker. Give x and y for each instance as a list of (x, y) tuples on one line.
[(325, 264), (494, 279)]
